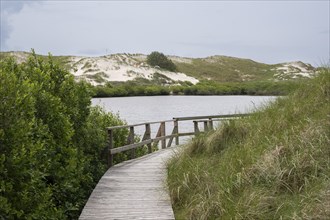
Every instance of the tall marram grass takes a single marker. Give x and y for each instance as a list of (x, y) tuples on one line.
[(274, 164)]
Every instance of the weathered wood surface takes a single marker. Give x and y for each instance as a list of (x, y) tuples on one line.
[(161, 134), (133, 189)]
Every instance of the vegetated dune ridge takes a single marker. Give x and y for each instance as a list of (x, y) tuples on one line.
[(120, 67), (124, 67), (272, 165)]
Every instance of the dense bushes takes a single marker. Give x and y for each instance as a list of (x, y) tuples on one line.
[(121, 91), (133, 88), (51, 141), (159, 59), (244, 88)]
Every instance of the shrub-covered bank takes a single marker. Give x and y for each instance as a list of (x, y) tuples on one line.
[(272, 165), (51, 141), (149, 88)]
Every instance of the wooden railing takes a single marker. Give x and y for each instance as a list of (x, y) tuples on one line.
[(161, 136)]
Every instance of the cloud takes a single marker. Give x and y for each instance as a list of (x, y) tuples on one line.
[(8, 8), (12, 6), (5, 30)]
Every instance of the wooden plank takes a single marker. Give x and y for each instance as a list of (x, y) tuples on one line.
[(147, 136), (186, 134), (171, 138), (136, 125), (225, 119), (206, 127), (156, 140), (211, 124), (176, 126), (181, 119), (110, 146), (132, 190), (130, 146), (217, 119), (158, 134), (196, 129), (130, 140), (201, 120), (162, 133), (209, 116)]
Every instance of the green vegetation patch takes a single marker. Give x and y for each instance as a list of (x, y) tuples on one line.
[(52, 142), (226, 69), (87, 65), (98, 77), (160, 60), (161, 79), (158, 85), (274, 164)]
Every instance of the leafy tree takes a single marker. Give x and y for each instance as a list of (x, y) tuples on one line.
[(51, 141), (159, 59), (24, 193)]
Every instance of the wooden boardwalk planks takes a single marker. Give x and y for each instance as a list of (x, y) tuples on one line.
[(133, 189)]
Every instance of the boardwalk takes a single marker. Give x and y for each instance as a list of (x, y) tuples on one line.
[(136, 189), (132, 190)]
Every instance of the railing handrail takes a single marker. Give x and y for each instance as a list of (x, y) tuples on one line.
[(136, 125), (161, 134), (210, 116), (179, 119)]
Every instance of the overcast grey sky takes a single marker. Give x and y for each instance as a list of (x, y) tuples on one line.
[(265, 31)]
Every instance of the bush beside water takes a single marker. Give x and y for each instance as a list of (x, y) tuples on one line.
[(52, 142), (143, 87)]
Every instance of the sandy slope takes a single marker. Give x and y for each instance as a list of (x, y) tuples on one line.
[(294, 70), (119, 67)]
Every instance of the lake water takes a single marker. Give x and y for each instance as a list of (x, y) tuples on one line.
[(141, 109)]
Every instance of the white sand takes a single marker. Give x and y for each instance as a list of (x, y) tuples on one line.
[(294, 70), (120, 67)]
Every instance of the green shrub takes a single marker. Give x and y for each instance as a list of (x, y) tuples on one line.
[(51, 141), (159, 59)]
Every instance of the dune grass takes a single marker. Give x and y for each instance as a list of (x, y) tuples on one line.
[(272, 165), (227, 69)]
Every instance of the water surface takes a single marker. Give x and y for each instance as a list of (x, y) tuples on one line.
[(155, 108), (141, 109)]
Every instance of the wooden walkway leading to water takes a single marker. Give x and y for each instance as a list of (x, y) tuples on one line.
[(133, 189), (136, 189)]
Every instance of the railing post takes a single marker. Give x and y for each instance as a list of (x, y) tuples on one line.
[(206, 128), (110, 146), (150, 142), (130, 140), (196, 129), (162, 134), (176, 126), (211, 123), (174, 134), (148, 136), (157, 136)]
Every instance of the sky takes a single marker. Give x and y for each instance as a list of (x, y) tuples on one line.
[(265, 31)]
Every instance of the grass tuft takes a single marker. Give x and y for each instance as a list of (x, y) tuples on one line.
[(274, 164)]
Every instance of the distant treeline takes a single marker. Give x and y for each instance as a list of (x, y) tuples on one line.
[(133, 88)]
